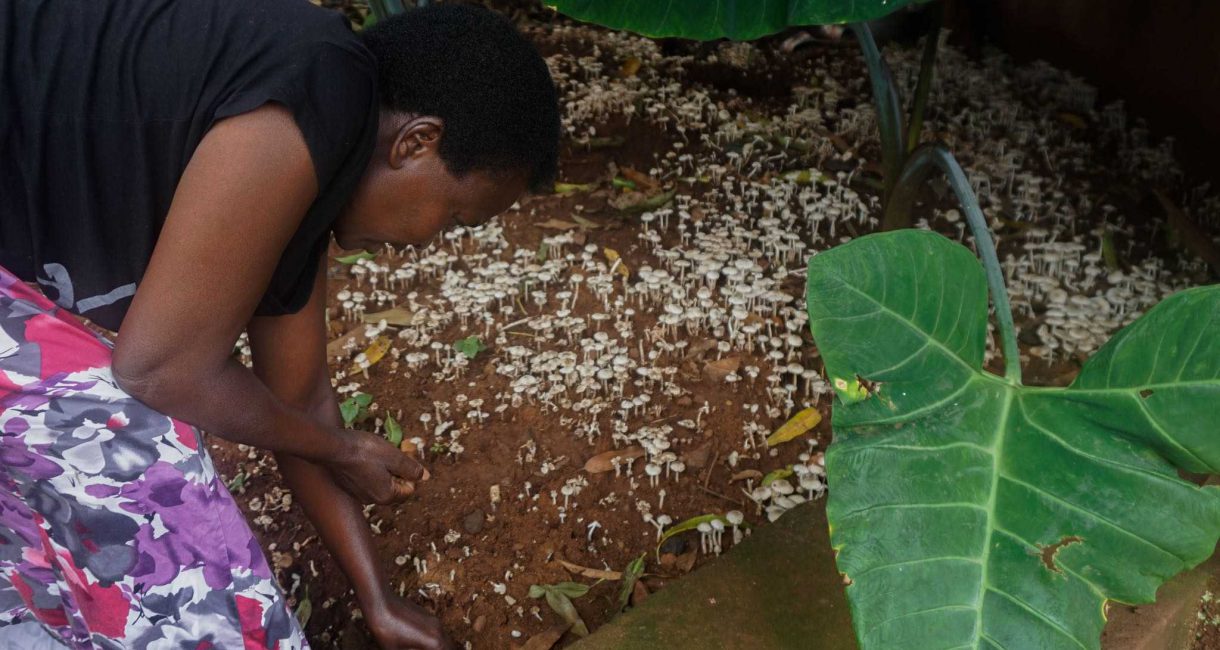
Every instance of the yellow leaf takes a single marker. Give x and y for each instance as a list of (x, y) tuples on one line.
[(629, 67), (372, 355), (800, 424), (612, 256)]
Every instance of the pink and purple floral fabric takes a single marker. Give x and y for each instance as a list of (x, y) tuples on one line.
[(115, 530)]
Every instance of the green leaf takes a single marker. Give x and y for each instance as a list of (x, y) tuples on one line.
[(470, 346), (393, 432), (355, 257), (775, 475), (237, 481), (970, 511), (567, 611), (704, 20), (689, 524), (304, 609), (355, 408), (634, 570), (571, 589), (623, 183)]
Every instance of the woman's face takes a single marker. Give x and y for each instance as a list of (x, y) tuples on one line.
[(407, 196)]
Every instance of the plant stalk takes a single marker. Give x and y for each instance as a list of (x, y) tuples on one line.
[(889, 108), (927, 70), (920, 165)]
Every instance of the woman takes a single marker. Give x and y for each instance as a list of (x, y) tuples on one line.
[(174, 171)]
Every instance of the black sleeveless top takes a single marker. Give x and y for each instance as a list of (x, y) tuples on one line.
[(102, 103)]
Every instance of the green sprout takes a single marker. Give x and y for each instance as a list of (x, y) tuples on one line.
[(355, 409), (470, 346), (559, 596), (393, 432)]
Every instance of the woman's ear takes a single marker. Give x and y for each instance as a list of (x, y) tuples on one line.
[(417, 136)]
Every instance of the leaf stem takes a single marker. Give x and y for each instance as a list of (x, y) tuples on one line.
[(927, 70), (922, 162), (889, 107)]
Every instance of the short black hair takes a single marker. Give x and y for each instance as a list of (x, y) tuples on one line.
[(470, 67)]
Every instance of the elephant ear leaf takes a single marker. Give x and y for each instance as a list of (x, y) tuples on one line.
[(969, 511)]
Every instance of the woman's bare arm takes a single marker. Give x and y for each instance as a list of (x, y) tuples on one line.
[(290, 359), (237, 205)]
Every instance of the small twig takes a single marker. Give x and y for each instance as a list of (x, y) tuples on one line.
[(717, 494), (710, 468)]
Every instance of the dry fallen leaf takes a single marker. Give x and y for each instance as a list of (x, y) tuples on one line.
[(745, 474), (547, 640), (558, 224), (616, 262), (629, 67), (641, 180), (721, 368), (799, 424), (586, 223), (372, 355), (397, 317), (596, 574), (339, 347), (408, 448), (604, 462)]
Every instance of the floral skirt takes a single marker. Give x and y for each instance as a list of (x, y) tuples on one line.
[(115, 530)]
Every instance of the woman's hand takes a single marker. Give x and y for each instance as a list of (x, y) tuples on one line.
[(374, 471), (399, 624)]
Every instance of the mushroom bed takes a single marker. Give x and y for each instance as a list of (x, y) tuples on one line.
[(654, 305)]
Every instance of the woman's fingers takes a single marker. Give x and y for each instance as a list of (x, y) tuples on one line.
[(403, 489), (408, 468)]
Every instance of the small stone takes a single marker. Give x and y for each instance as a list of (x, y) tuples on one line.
[(480, 623), (473, 522)]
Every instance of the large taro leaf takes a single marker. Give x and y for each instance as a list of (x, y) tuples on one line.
[(710, 19), (969, 512)]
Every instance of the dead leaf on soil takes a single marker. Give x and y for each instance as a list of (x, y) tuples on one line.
[(616, 262), (558, 224), (586, 223), (547, 640), (339, 347), (721, 368), (629, 67), (596, 574), (604, 462), (396, 317), (800, 424), (408, 447), (372, 355), (641, 180), (745, 474), (631, 202)]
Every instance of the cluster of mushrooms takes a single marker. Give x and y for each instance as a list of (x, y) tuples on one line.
[(603, 342)]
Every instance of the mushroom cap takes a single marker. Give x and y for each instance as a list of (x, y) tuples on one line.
[(735, 517), (652, 469), (664, 520), (704, 527), (782, 486), (717, 525)]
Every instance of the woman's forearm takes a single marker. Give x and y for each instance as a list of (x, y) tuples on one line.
[(340, 523), (233, 403)]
